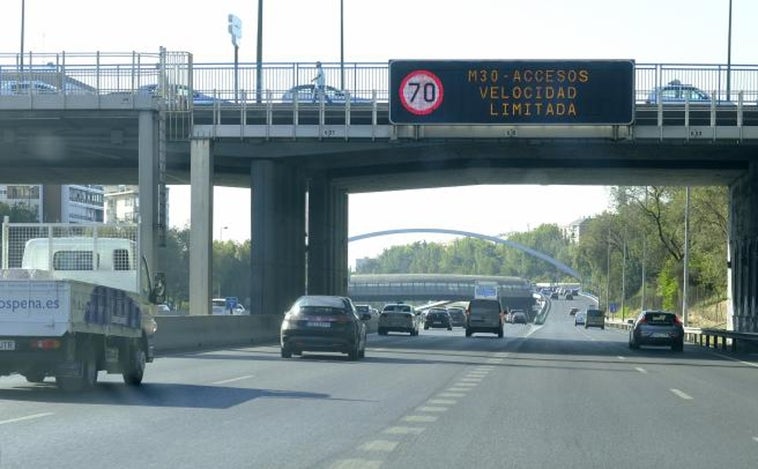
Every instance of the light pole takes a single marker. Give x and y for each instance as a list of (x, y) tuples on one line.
[(259, 54), (23, 9), (342, 44), (729, 57), (221, 233)]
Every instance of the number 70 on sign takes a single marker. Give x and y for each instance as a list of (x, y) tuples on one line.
[(421, 92)]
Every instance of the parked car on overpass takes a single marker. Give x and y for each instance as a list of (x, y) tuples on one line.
[(308, 94)]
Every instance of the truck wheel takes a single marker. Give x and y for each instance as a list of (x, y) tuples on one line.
[(134, 368), (35, 376)]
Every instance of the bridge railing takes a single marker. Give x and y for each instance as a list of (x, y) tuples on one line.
[(113, 72)]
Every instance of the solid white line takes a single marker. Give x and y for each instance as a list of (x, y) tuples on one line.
[(754, 365), (28, 417), (681, 394), (641, 370), (231, 380)]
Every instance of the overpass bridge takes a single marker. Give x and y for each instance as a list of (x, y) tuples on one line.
[(514, 292), (100, 126)]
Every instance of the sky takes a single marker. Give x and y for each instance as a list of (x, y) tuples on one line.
[(648, 31)]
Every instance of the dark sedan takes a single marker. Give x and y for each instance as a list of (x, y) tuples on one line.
[(438, 319), (324, 324), (657, 328)]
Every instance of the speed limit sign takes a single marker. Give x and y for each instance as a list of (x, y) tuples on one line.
[(421, 92)]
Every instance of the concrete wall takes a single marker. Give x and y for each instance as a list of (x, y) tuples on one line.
[(182, 333)]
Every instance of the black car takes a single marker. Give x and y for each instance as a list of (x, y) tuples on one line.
[(324, 324), (457, 315), (657, 328), (438, 318)]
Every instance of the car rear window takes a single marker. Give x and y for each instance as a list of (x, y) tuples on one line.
[(322, 311), (594, 313), (397, 309), (660, 318), (485, 306)]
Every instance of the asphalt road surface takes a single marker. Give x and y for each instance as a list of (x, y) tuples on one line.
[(545, 396)]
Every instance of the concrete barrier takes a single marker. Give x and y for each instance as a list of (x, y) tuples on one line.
[(177, 333)]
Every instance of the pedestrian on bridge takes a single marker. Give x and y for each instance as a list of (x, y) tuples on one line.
[(319, 89)]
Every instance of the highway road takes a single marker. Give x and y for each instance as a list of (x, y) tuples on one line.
[(545, 396)]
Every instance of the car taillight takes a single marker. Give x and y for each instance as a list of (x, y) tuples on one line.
[(45, 344), (642, 321), (677, 321)]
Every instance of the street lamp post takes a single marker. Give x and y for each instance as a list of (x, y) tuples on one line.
[(729, 57), (221, 233), (259, 54), (23, 9), (342, 44)]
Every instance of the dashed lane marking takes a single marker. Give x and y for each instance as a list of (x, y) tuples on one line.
[(28, 417), (420, 418), (621, 358), (441, 401), (432, 409), (465, 384), (458, 390), (356, 464), (682, 394), (755, 438), (641, 370), (232, 380), (404, 430), (451, 394), (379, 445)]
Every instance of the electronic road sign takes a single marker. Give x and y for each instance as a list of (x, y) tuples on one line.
[(517, 92)]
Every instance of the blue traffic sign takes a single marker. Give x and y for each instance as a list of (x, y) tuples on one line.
[(522, 92)]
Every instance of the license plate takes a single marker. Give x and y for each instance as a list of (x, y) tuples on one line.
[(660, 335), (7, 345), (319, 324)]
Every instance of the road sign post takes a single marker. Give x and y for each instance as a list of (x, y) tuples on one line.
[(235, 30)]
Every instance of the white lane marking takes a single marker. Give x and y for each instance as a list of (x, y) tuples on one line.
[(465, 384), (473, 379), (754, 365), (755, 438), (404, 430), (442, 401), (621, 358), (420, 418), (232, 380), (356, 464), (484, 368), (641, 370), (459, 390), (379, 445), (681, 394), (477, 373), (28, 417), (451, 394), (432, 409), (533, 330)]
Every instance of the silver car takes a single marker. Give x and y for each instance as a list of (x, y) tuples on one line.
[(657, 328), (398, 317)]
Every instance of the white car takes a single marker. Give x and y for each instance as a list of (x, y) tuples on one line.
[(580, 318)]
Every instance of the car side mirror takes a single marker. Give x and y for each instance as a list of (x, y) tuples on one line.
[(158, 295)]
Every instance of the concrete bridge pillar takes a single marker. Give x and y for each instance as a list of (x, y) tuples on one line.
[(278, 236), (327, 238), (743, 251), (201, 228), (147, 153)]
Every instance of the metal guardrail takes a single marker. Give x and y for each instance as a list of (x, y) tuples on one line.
[(109, 72)]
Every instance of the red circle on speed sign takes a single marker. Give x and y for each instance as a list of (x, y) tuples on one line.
[(421, 92)]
